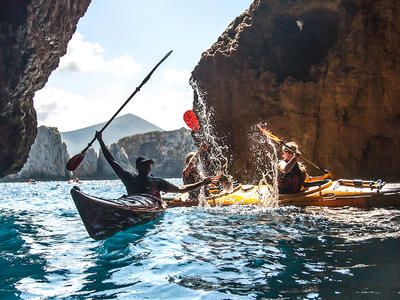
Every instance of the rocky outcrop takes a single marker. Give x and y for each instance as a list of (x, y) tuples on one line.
[(167, 148), (47, 157), (88, 167), (105, 171), (322, 73), (33, 36)]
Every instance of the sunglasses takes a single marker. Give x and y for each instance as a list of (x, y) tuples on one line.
[(287, 151)]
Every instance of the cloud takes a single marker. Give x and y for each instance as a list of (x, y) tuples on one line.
[(84, 56), (65, 110), (45, 110), (68, 111), (176, 76), (165, 108), (92, 95)]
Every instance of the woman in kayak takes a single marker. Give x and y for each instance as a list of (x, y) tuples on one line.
[(291, 172), (191, 173), (142, 182)]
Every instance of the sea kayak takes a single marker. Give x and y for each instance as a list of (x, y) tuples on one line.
[(330, 193), (103, 218)]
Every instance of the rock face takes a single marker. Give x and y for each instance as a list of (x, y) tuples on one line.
[(47, 157), (104, 169), (88, 166), (322, 73), (33, 36), (167, 148)]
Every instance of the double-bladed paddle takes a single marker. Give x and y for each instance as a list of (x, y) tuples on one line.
[(75, 161)]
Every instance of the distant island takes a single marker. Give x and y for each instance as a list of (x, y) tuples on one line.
[(125, 125)]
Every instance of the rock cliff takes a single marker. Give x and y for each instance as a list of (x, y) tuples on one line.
[(167, 148), (88, 167), (104, 170), (33, 36), (322, 73), (47, 157)]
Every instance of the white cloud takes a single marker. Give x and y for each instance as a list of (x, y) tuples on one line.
[(176, 76), (164, 108), (67, 111), (73, 102), (84, 56)]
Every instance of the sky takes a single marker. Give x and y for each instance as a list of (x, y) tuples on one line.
[(116, 45)]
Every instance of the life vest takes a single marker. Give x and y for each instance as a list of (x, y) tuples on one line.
[(292, 181)]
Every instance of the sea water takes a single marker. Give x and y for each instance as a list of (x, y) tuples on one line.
[(194, 253)]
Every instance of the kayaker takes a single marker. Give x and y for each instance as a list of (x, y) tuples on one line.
[(191, 173), (291, 172), (142, 182)]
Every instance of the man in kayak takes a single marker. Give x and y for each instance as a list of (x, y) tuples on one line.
[(142, 182), (291, 172)]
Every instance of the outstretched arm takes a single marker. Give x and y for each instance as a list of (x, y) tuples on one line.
[(187, 187), (107, 154)]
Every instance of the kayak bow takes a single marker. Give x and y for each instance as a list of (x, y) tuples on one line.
[(103, 218)]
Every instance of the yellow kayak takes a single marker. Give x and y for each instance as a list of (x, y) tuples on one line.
[(330, 193)]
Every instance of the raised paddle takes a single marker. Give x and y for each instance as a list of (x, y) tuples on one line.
[(281, 142), (75, 161), (191, 120)]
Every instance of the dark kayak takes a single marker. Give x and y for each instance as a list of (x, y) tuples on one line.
[(103, 218)]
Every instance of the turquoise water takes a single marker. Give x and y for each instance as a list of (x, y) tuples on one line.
[(194, 253)]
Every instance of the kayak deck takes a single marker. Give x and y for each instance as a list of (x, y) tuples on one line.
[(338, 193)]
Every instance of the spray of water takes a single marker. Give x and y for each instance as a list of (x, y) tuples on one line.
[(263, 149), (265, 153), (217, 161)]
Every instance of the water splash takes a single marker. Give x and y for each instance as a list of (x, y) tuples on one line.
[(265, 154), (217, 162), (191, 253)]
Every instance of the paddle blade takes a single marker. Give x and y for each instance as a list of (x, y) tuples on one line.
[(310, 179), (191, 120), (269, 135), (75, 161)]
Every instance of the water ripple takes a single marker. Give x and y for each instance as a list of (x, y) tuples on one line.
[(194, 253)]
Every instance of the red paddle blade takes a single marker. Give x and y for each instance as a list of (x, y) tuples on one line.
[(191, 120), (75, 161)]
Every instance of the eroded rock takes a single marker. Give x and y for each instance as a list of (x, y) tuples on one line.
[(167, 148), (87, 169), (47, 158), (33, 37), (322, 73), (104, 169)]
